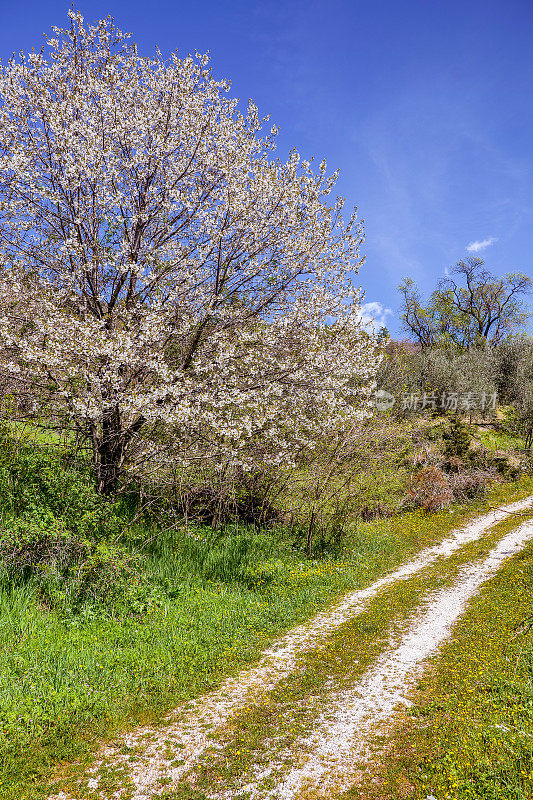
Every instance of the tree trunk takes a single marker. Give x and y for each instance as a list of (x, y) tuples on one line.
[(110, 446), (108, 474), (109, 454), (310, 535)]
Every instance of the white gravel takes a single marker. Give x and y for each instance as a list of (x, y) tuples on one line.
[(341, 738), (189, 732)]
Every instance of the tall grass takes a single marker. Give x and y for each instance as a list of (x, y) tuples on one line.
[(201, 553)]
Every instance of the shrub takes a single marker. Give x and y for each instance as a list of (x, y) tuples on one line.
[(454, 464), (219, 497), (34, 479), (430, 489), (67, 568), (468, 485), (31, 544), (456, 439), (506, 465)]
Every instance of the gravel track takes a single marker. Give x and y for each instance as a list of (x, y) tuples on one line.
[(340, 741), (371, 703)]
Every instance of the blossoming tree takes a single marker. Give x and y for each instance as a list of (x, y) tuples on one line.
[(159, 269)]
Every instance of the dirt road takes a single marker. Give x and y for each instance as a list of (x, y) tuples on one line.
[(321, 760)]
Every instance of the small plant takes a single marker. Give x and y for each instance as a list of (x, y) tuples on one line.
[(457, 438), (430, 489), (69, 571)]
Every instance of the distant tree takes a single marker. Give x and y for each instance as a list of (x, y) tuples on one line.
[(470, 307)]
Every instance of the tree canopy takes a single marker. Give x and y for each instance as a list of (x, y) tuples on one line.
[(471, 306), (159, 269)]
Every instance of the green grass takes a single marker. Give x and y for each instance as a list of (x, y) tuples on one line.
[(66, 681), (495, 439)]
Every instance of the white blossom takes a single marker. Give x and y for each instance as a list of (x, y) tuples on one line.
[(159, 267)]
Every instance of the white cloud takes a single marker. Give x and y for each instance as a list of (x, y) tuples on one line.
[(478, 245), (374, 315)]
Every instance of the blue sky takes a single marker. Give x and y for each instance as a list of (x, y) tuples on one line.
[(425, 106)]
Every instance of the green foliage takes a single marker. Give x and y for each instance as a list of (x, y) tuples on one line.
[(68, 570), (457, 438), (58, 534), (33, 543), (179, 556), (35, 479)]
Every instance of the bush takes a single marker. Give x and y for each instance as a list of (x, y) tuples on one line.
[(456, 439), (219, 499), (430, 489), (30, 545), (468, 485), (67, 568), (34, 479)]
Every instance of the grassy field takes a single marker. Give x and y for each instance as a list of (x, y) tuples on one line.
[(194, 605)]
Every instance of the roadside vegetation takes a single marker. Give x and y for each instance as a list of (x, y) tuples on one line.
[(104, 631)]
